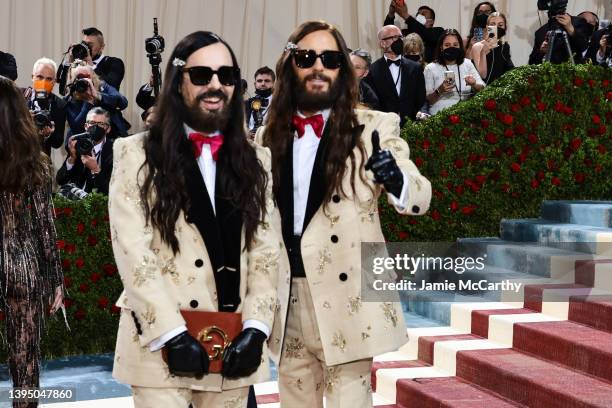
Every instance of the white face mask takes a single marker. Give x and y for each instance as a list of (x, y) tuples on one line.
[(421, 19)]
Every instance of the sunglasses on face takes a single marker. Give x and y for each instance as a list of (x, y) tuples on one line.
[(329, 59), (228, 76)]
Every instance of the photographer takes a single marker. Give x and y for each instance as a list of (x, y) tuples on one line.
[(361, 61), (90, 161), (492, 55), (145, 98), (8, 66), (478, 27), (85, 92), (577, 30), (600, 50), (48, 109), (264, 86)]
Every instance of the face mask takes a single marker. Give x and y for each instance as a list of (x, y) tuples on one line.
[(96, 133), (481, 20), (452, 54), (501, 32), (415, 58), (421, 19), (264, 93), (43, 85), (397, 47)]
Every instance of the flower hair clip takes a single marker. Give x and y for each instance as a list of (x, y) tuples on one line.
[(290, 47), (177, 62)]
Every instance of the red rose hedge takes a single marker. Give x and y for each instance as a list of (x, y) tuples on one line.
[(539, 133)]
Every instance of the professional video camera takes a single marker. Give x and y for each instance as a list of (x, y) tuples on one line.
[(154, 46), (556, 31), (72, 192), (554, 7), (80, 51), (84, 143), (41, 108)]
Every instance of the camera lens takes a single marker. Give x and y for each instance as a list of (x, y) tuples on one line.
[(153, 46)]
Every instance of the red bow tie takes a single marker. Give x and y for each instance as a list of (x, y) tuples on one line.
[(316, 121), (198, 139)]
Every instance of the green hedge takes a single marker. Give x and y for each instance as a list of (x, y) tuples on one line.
[(540, 132)]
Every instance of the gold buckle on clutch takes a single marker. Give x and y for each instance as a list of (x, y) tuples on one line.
[(205, 336)]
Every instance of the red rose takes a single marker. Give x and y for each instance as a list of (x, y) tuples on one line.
[(92, 240), (84, 288), (109, 269), (474, 187), (70, 248), (509, 133), (468, 210), (103, 302), (578, 81), (596, 100), (454, 206), (575, 144), (446, 132), (605, 83), (588, 162), (438, 194), (534, 183), (441, 147), (579, 178), (567, 110), (484, 123), (540, 106), (559, 107), (473, 158), (459, 190), (106, 218), (60, 244), (601, 149), (592, 83), (497, 152), (515, 167), (435, 215), (79, 314), (515, 107), (520, 129), (454, 119), (79, 263), (418, 162), (602, 130), (402, 235), (426, 144), (68, 211), (505, 187), (412, 221), (598, 168), (551, 165), (490, 105), (94, 222), (66, 264), (57, 212), (480, 179), (555, 181), (558, 88), (509, 151), (67, 281), (115, 309), (533, 139), (68, 302), (522, 157), (540, 175), (494, 176), (525, 101), (508, 120), (609, 95), (95, 277), (491, 138), (80, 228), (459, 163)]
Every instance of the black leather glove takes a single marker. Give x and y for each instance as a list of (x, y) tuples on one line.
[(243, 356), (186, 356), (384, 167)]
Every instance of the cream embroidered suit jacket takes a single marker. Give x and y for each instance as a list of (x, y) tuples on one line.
[(157, 283), (352, 329)]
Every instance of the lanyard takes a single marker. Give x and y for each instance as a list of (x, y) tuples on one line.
[(459, 82)]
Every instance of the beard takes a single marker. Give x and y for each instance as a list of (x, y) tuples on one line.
[(315, 101), (204, 120)]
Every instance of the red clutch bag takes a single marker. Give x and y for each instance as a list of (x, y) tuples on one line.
[(214, 330)]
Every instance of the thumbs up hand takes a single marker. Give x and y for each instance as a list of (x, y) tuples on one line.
[(384, 167)]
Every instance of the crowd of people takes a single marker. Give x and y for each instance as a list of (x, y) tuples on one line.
[(239, 200)]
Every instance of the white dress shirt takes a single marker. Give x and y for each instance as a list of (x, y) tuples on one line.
[(396, 73), (304, 154), (208, 168)]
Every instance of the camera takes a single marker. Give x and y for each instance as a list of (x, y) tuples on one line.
[(154, 46), (80, 85), (72, 192), (84, 144), (42, 119), (80, 51), (554, 7)]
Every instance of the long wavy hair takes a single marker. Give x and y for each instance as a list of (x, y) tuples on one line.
[(169, 152), (22, 162), (343, 120)]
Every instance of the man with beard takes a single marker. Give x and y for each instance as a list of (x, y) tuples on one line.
[(324, 155), (190, 203)]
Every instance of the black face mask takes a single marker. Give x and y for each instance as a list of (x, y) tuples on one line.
[(264, 93), (397, 47), (96, 132), (481, 20), (452, 54), (501, 32), (415, 58)]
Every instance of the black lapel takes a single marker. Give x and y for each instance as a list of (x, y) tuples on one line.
[(285, 193), (387, 79), (318, 184), (404, 79)]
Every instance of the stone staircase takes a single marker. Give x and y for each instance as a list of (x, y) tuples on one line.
[(549, 346)]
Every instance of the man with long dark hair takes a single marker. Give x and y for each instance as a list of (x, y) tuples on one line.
[(189, 211), (324, 155)]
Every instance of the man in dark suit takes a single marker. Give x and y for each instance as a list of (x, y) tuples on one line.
[(577, 30), (398, 81), (90, 172), (422, 24), (264, 86), (600, 48), (8, 66), (43, 103)]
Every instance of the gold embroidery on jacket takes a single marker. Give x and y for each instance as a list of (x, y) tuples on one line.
[(331, 378), (390, 313), (339, 341), (354, 304), (169, 267), (144, 271), (324, 259), (266, 262), (294, 348)]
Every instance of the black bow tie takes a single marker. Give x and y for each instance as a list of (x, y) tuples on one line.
[(396, 62)]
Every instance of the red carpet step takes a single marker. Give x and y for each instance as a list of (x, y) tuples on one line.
[(377, 365), (571, 344), (427, 343), (449, 392), (480, 319), (594, 311), (531, 381)]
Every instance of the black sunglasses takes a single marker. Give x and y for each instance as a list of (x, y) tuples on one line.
[(307, 58), (228, 76)]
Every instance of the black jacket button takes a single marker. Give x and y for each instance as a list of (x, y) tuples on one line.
[(199, 263), (416, 209), (336, 198), (343, 276), (334, 239), (194, 303)]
